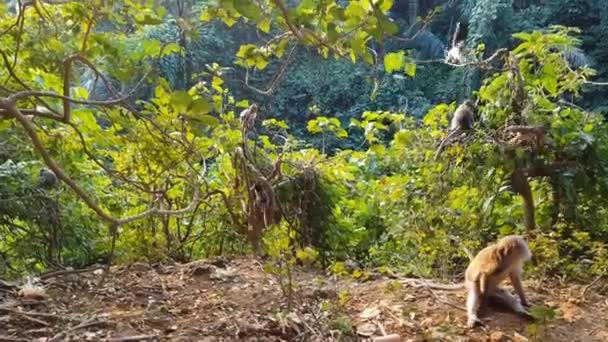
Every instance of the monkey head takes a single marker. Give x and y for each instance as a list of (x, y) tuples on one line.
[(47, 178), (469, 104)]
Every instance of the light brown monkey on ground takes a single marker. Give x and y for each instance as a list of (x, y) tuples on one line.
[(463, 116), (490, 267)]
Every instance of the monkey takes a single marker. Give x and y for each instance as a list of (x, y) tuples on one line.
[(248, 116), (461, 120), (463, 116), (47, 178), (455, 55), (490, 267), (527, 136)]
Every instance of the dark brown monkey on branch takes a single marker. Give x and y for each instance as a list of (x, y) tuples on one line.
[(461, 121), (463, 116), (47, 178)]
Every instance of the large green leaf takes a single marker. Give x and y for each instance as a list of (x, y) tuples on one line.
[(248, 9), (180, 100), (393, 61), (200, 106)]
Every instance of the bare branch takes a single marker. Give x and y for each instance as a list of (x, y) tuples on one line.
[(525, 129), (484, 64), (275, 79), (67, 64), (283, 8), (13, 111)]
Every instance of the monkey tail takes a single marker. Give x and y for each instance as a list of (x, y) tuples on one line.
[(455, 35)]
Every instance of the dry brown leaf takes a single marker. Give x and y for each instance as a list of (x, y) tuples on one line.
[(366, 329)]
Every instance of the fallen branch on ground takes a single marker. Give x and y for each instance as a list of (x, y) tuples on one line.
[(59, 273), (86, 324), (25, 315), (133, 338)]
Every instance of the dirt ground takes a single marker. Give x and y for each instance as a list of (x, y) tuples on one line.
[(234, 299)]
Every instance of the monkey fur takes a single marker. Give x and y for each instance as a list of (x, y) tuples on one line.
[(455, 55), (490, 267), (47, 178), (463, 116), (248, 116)]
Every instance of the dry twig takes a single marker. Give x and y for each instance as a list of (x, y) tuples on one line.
[(592, 283), (133, 338), (86, 324)]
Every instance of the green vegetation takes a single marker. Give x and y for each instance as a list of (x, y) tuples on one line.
[(135, 106)]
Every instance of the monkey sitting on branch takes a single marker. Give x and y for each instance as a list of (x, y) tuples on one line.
[(248, 117), (490, 267), (463, 116), (461, 121), (456, 54), (47, 178)]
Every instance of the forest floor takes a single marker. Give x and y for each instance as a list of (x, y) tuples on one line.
[(234, 299)]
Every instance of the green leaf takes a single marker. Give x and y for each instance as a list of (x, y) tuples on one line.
[(264, 25), (151, 47), (275, 123), (385, 5), (200, 106), (313, 126), (180, 100), (147, 17), (522, 36), (549, 78), (248, 9), (81, 93), (206, 15), (410, 69), (208, 120), (171, 48), (261, 62), (306, 6), (588, 128), (393, 61), (242, 104), (523, 47), (377, 149), (216, 83)]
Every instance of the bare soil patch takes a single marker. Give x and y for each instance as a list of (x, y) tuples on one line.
[(234, 299)]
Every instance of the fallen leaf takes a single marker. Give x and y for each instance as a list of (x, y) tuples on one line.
[(370, 313), (366, 329)]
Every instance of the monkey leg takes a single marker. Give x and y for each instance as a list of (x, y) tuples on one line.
[(503, 297), (473, 303)]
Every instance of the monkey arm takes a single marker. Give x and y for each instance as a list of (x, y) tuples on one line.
[(516, 282)]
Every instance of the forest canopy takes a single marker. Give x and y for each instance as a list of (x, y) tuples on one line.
[(310, 131)]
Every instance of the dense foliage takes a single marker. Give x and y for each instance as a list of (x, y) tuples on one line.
[(136, 108)]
